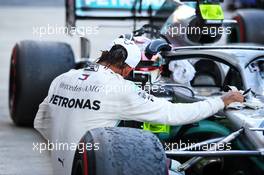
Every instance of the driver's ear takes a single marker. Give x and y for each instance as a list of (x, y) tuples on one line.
[(126, 71)]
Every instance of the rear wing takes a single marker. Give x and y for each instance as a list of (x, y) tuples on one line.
[(112, 10)]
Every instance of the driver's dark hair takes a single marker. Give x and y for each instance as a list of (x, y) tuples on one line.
[(115, 57)]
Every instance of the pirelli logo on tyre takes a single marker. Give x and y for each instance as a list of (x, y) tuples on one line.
[(75, 103)]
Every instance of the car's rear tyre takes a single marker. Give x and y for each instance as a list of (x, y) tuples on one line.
[(34, 64), (122, 151), (249, 23)]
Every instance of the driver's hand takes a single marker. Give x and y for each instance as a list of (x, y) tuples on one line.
[(232, 96)]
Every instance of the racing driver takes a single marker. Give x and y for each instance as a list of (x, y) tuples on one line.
[(99, 96)]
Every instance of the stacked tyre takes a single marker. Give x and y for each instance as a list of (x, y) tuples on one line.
[(34, 64)]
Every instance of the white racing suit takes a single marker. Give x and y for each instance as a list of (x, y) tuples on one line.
[(80, 100)]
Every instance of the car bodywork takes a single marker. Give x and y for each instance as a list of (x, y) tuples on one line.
[(243, 64)]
